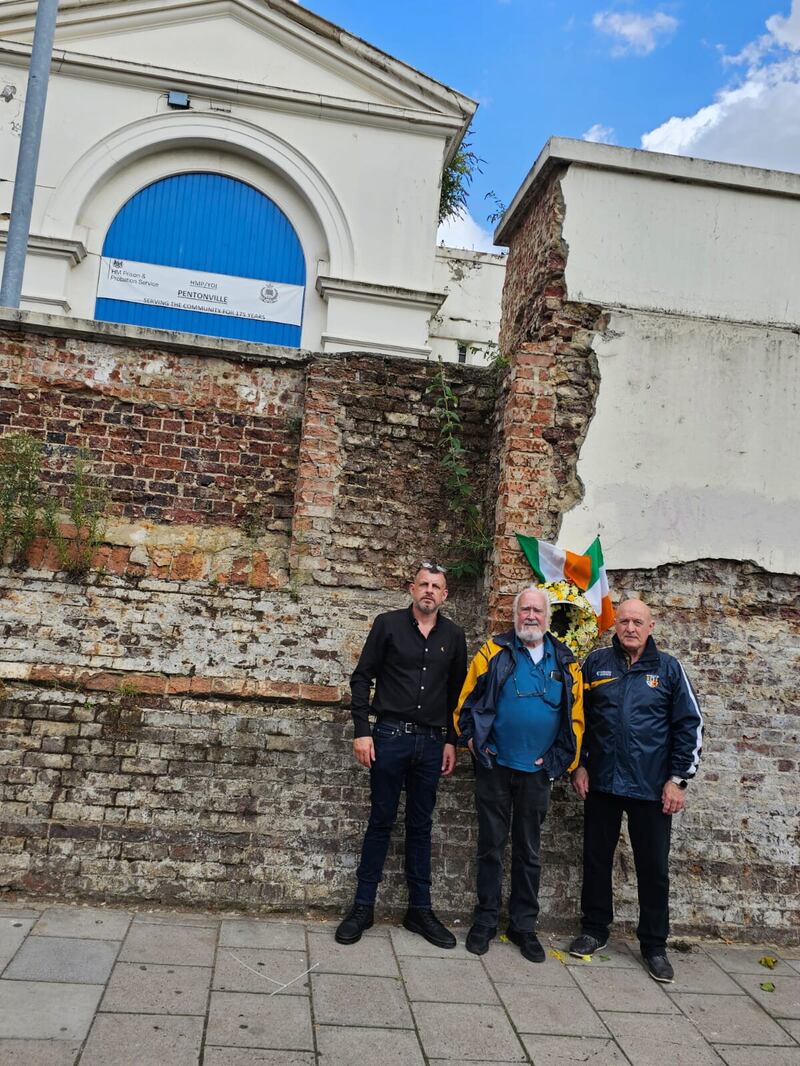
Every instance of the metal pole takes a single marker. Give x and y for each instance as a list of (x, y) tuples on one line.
[(19, 226)]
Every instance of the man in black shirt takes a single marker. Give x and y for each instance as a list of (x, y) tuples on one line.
[(418, 660)]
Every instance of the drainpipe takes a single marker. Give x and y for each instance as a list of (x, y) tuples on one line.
[(19, 226)]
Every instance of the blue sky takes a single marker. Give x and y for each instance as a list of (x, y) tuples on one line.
[(714, 78)]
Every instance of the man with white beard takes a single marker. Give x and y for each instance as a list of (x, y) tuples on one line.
[(521, 716)]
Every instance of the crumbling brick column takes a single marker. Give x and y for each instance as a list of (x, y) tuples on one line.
[(547, 399)]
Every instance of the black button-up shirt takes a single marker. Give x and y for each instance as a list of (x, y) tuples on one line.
[(416, 678)]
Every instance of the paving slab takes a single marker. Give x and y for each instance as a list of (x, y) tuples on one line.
[(446, 981), (504, 962), (235, 1056), (695, 971), (38, 1010), (20, 910), (652, 1040), (351, 1046), (174, 918), (553, 1011), (793, 1027), (241, 1019), (52, 958), (39, 1052), (143, 1040), (88, 923), (459, 1032), (617, 954), (145, 988), (625, 990), (782, 1002), (366, 1002), (370, 955), (760, 1056), (261, 971), (406, 943), (182, 945), (745, 959), (794, 963), (730, 1019), (568, 1050), (13, 931), (241, 933)]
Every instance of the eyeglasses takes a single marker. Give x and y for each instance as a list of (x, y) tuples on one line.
[(526, 695), (432, 566)]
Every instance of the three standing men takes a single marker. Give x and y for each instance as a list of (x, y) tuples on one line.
[(521, 715), (418, 660), (644, 734)]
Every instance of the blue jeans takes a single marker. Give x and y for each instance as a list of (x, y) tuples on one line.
[(402, 760)]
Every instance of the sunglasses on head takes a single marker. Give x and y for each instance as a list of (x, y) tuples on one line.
[(432, 566)]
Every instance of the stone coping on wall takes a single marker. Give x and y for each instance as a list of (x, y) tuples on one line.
[(144, 337)]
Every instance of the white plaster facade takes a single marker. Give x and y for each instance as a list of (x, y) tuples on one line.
[(692, 450), (347, 141), (468, 326)]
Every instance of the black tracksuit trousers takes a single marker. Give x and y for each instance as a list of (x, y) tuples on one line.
[(649, 831)]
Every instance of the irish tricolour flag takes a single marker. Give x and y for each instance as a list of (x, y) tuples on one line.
[(587, 571)]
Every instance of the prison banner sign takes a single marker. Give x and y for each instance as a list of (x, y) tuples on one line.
[(197, 290)]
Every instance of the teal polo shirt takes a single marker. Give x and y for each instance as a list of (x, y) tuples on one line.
[(528, 710)]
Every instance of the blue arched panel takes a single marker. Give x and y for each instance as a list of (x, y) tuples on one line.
[(211, 223)]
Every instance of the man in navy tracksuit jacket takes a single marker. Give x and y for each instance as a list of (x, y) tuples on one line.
[(644, 733)]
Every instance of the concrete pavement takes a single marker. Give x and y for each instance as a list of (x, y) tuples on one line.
[(106, 986)]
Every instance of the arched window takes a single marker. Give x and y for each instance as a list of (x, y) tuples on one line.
[(210, 242)]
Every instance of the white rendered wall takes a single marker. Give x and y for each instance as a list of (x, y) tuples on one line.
[(470, 316), (692, 450), (700, 249)]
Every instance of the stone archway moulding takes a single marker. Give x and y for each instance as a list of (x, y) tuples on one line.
[(163, 133)]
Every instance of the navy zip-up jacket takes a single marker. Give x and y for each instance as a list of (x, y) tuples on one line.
[(477, 705), (643, 722)]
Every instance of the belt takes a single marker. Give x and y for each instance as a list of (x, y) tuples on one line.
[(415, 728)]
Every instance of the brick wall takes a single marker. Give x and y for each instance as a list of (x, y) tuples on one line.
[(175, 724)]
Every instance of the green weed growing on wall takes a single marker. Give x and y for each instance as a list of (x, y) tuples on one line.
[(20, 494), (87, 507), (471, 545), (28, 511)]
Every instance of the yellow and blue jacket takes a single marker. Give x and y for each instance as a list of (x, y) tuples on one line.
[(489, 670)]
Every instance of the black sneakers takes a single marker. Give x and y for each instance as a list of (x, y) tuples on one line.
[(479, 938), (422, 920), (528, 944), (360, 917), (659, 968), (586, 944)]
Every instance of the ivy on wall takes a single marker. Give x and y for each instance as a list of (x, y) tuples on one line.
[(470, 547)]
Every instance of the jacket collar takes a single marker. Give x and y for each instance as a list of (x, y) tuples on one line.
[(648, 657)]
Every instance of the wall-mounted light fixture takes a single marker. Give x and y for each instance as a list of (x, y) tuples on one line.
[(180, 101)]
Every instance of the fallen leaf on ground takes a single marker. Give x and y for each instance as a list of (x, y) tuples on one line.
[(556, 954), (767, 986), (768, 961)]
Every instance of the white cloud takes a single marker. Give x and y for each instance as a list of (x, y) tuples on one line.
[(635, 33), (465, 232), (599, 134), (755, 120)]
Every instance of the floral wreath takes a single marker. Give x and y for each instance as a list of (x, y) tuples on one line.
[(572, 617)]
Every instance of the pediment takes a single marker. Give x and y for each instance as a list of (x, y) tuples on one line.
[(273, 43)]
